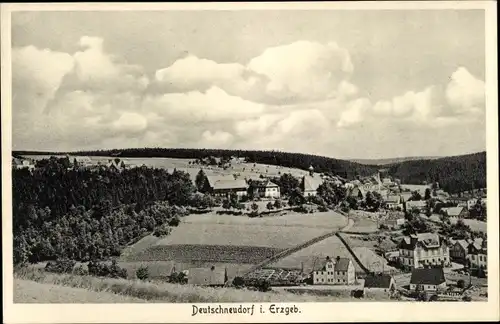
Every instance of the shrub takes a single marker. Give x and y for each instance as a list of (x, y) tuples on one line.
[(461, 284), (142, 273), (60, 266), (358, 293), (163, 230), (467, 298), (263, 285), (238, 282), (174, 222), (106, 270), (80, 271)]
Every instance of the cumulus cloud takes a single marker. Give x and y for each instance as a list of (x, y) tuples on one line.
[(295, 97)]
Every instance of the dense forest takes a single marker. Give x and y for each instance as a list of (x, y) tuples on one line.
[(454, 174), (83, 215)]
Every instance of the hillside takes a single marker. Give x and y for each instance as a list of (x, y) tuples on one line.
[(392, 160), (454, 174), (343, 168)]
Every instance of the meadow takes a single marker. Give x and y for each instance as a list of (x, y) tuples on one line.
[(474, 224)]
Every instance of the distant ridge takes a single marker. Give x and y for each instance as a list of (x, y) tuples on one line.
[(393, 160)]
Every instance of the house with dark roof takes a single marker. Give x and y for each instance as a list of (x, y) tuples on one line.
[(310, 183), (338, 271), (393, 202), (419, 250), (207, 276), (477, 253), (459, 251), (379, 283), (427, 279), (421, 205)]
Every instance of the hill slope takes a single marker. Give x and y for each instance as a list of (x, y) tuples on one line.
[(454, 174), (392, 160)]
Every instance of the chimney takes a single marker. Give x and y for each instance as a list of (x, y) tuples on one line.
[(337, 258)]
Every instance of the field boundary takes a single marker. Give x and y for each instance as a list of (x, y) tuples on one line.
[(294, 249), (348, 247)]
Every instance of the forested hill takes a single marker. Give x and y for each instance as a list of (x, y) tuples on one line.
[(342, 168), (454, 174)]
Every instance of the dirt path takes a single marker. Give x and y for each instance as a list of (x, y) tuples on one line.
[(27, 291)]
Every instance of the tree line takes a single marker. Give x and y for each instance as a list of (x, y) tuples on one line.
[(85, 215)]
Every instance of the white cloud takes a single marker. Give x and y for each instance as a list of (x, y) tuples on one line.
[(217, 139), (465, 92), (355, 112)]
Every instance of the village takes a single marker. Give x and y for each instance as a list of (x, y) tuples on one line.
[(420, 232)]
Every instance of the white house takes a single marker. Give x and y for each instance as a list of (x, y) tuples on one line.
[(338, 271), (417, 251), (427, 279)]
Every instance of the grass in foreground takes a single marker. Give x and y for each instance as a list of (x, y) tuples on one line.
[(165, 292)]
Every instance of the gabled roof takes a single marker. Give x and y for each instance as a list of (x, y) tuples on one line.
[(311, 183), (462, 243), (321, 265), (342, 264), (416, 203), (230, 184), (453, 211), (394, 199), (427, 276), (426, 240), (378, 281), (207, 276), (269, 184)]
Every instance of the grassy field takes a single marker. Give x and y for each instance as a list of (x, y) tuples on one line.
[(158, 291), (363, 223), (242, 169), (314, 254), (474, 224), (26, 291), (328, 220)]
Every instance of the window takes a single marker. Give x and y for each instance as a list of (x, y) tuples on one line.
[(338, 280)]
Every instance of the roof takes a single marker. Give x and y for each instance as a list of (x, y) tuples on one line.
[(395, 199), (321, 265), (463, 243), (426, 240), (419, 188), (311, 182), (453, 211), (82, 158), (230, 184), (207, 276), (429, 276), (342, 264), (270, 184), (378, 281), (416, 203)]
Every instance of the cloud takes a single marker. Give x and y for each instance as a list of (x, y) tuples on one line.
[(299, 72), (465, 92), (354, 112)]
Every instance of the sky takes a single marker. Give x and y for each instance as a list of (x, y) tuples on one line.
[(345, 84)]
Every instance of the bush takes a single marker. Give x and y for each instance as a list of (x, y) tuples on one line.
[(461, 284), (358, 293), (112, 270), (80, 271), (163, 230), (60, 266), (238, 282), (263, 285), (142, 273), (174, 222), (467, 298)]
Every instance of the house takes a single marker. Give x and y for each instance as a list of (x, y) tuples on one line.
[(207, 276), (393, 202), (419, 250), (459, 251), (477, 255), (421, 205), (310, 183), (116, 165), (471, 203), (225, 186), (379, 283), (427, 279), (18, 163), (268, 189), (81, 161), (455, 212), (418, 188), (395, 222), (338, 271)]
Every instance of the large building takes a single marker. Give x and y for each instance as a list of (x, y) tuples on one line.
[(338, 271), (225, 186), (310, 183), (424, 249)]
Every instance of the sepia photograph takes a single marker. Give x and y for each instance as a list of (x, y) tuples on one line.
[(250, 163)]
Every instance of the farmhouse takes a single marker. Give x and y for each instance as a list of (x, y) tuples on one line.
[(393, 202), (338, 271), (477, 255), (379, 283), (207, 276), (310, 183), (269, 190), (224, 186), (427, 279), (421, 205), (459, 250), (455, 212), (416, 251)]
